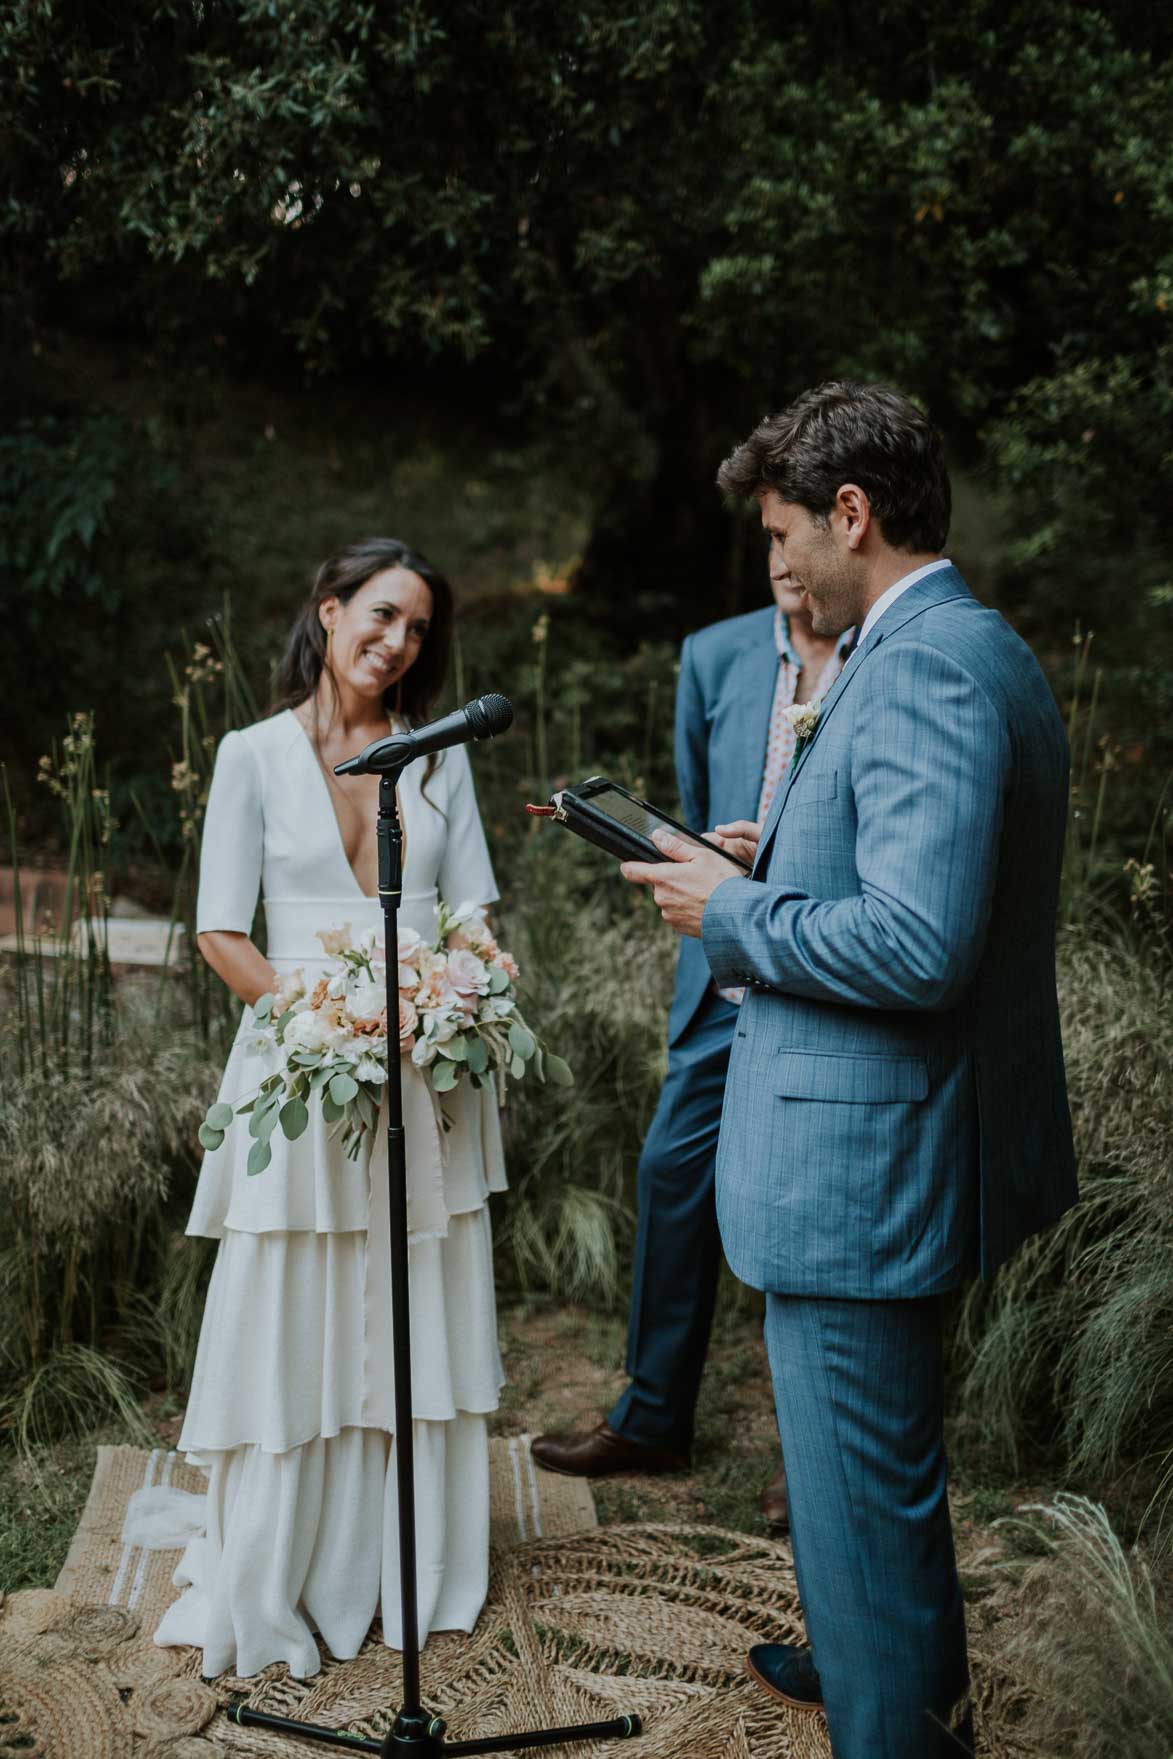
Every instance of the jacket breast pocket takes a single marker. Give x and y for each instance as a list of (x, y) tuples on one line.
[(812, 790), (854, 1080)]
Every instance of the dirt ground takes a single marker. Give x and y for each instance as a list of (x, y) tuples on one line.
[(565, 1368)]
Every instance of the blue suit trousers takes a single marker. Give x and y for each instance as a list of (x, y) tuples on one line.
[(677, 1248), (859, 1387)]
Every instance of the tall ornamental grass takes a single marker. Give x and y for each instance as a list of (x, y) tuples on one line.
[(104, 1086), (1069, 1351), (1072, 1343), (597, 961), (1090, 1647)]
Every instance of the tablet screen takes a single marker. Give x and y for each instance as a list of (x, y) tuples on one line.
[(631, 813)]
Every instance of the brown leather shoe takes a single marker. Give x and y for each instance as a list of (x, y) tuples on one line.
[(595, 1453), (775, 1504)]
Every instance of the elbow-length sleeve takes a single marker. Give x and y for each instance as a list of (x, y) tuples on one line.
[(466, 873), (233, 841)]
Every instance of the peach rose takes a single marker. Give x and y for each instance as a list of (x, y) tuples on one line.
[(408, 1021), (334, 940)]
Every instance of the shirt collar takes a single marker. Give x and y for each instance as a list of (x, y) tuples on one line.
[(887, 599)]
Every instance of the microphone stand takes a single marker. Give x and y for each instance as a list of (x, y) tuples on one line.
[(415, 1733)]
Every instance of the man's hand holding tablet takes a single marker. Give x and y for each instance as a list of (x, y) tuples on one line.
[(684, 881)]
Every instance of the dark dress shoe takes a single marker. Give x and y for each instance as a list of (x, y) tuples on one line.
[(787, 1673), (775, 1504), (595, 1453)]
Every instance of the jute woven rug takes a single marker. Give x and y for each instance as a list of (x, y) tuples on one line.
[(581, 1623)]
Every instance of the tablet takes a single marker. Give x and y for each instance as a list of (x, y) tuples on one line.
[(612, 818)]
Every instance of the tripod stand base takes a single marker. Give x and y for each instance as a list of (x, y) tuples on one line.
[(416, 1735)]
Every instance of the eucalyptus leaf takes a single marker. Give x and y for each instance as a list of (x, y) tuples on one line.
[(477, 1055), (456, 1049), (294, 1118), (209, 1138), (263, 1007), (498, 980), (343, 1088), (330, 1111), (557, 1071), (517, 1068), (319, 1079), (259, 1156), (521, 1042), (219, 1116), (444, 1077)]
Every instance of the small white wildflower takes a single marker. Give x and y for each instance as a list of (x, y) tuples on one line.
[(804, 717)]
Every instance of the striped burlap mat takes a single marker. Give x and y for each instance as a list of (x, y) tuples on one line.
[(100, 1571), (581, 1623)]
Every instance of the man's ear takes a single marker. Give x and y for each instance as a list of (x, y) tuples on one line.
[(853, 514)]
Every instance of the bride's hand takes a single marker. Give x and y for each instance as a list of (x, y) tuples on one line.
[(739, 838)]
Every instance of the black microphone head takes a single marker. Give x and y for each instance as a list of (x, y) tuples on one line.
[(489, 715)]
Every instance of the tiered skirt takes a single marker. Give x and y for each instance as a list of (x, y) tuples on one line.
[(292, 1404)]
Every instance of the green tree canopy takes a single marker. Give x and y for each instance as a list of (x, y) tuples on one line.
[(649, 223)]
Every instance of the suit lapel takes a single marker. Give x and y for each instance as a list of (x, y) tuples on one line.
[(759, 674), (934, 589)]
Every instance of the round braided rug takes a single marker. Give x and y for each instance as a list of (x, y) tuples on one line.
[(652, 1619)]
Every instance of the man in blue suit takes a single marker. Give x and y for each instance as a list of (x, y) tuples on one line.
[(733, 745), (895, 1110)]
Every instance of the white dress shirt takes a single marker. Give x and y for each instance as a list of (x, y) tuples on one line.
[(893, 593)]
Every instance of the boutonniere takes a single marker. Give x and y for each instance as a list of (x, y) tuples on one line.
[(803, 718)]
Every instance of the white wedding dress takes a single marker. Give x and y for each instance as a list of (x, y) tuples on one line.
[(292, 1402)]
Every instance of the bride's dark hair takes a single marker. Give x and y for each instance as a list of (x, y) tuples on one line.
[(340, 577)]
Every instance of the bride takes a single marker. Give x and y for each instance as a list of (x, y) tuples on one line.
[(291, 1410)]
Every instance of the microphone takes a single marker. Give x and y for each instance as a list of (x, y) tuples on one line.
[(480, 719)]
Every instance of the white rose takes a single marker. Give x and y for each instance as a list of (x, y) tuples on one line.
[(308, 1031), (365, 1001), (410, 942), (369, 1070)]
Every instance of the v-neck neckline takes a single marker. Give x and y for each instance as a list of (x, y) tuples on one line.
[(371, 897)]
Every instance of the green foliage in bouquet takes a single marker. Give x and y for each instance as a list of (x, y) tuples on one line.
[(458, 1018)]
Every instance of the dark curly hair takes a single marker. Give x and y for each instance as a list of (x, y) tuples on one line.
[(847, 431)]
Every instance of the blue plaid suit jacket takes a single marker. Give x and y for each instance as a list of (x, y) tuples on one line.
[(896, 1108)]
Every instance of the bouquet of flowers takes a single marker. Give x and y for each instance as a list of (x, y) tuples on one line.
[(458, 1020)]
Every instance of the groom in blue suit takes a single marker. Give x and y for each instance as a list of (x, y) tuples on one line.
[(895, 1112)]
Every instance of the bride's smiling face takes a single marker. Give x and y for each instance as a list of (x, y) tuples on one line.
[(376, 635)]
